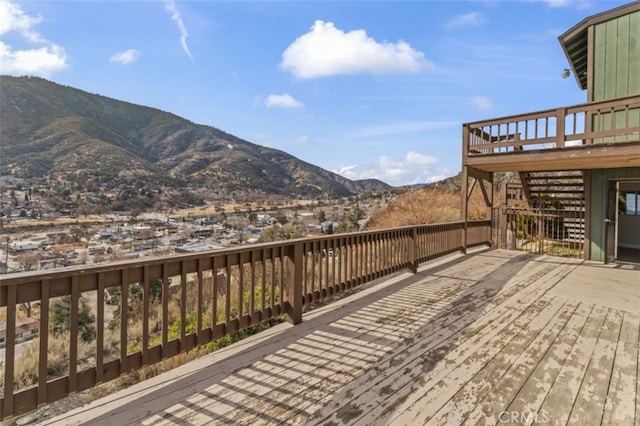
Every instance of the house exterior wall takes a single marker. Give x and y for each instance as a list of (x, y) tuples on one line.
[(616, 61), (598, 209), (616, 58)]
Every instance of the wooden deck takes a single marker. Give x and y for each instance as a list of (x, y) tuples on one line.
[(489, 338)]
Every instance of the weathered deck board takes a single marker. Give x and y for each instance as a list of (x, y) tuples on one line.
[(532, 394), (400, 381), (457, 343), (482, 384), (589, 405), (511, 342), (563, 392), (621, 400)]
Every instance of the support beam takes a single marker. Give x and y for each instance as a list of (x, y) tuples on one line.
[(464, 187), (480, 174), (600, 156), (526, 189)]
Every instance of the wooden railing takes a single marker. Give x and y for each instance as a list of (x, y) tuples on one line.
[(586, 124), (556, 232), (94, 324)]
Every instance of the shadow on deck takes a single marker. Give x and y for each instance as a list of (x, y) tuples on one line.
[(485, 338)]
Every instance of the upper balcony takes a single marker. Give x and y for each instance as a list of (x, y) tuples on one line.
[(587, 136)]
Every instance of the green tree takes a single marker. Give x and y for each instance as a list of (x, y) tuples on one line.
[(134, 302), (322, 216), (350, 221), (281, 219), (61, 319), (279, 233)]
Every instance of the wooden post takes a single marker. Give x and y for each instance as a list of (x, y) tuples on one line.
[(502, 214), (10, 352), (412, 248), (587, 214), (540, 232), (294, 283), (465, 201), (560, 117)]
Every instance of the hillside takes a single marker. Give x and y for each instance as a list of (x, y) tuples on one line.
[(55, 131)]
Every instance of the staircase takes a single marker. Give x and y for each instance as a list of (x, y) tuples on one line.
[(558, 191)]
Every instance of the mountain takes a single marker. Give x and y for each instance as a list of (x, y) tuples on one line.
[(64, 133)]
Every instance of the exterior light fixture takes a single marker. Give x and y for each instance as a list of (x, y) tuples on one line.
[(566, 73)]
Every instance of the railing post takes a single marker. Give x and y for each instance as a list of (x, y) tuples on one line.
[(464, 208), (560, 118), (294, 283), (412, 250)]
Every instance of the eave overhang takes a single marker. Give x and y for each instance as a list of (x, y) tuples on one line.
[(574, 41)]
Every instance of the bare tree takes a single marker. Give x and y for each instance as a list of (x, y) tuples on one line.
[(28, 260)]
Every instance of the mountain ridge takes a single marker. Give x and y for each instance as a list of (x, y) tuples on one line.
[(62, 132)]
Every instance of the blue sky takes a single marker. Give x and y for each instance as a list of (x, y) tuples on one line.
[(365, 89)]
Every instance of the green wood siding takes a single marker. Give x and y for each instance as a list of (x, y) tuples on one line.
[(616, 60), (616, 68), (599, 189)]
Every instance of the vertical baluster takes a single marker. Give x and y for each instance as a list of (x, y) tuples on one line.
[(263, 287), (272, 252), (252, 296), (44, 343), (145, 314), (100, 330), (240, 293), (183, 305), (165, 308), (227, 300), (124, 319), (282, 275), (73, 336), (199, 301), (10, 352)]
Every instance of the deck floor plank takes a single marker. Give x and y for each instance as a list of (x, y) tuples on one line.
[(564, 390), (485, 382), (522, 359), (620, 406), (588, 408), (502, 352), (399, 381), (532, 394)]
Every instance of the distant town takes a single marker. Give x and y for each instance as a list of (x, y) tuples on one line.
[(40, 235)]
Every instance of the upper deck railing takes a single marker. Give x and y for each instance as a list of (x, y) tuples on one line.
[(94, 324), (610, 121)]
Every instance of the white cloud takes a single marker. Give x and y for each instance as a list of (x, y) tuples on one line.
[(579, 4), (126, 57), (403, 128), (171, 7), (326, 50), (481, 102), (282, 101), (13, 18), (413, 168), (303, 139), (43, 59), (413, 158), (472, 19)]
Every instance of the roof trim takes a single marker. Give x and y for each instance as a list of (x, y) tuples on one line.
[(598, 18), (574, 41)]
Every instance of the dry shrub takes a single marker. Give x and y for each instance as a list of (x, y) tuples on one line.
[(427, 205), (26, 373)]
